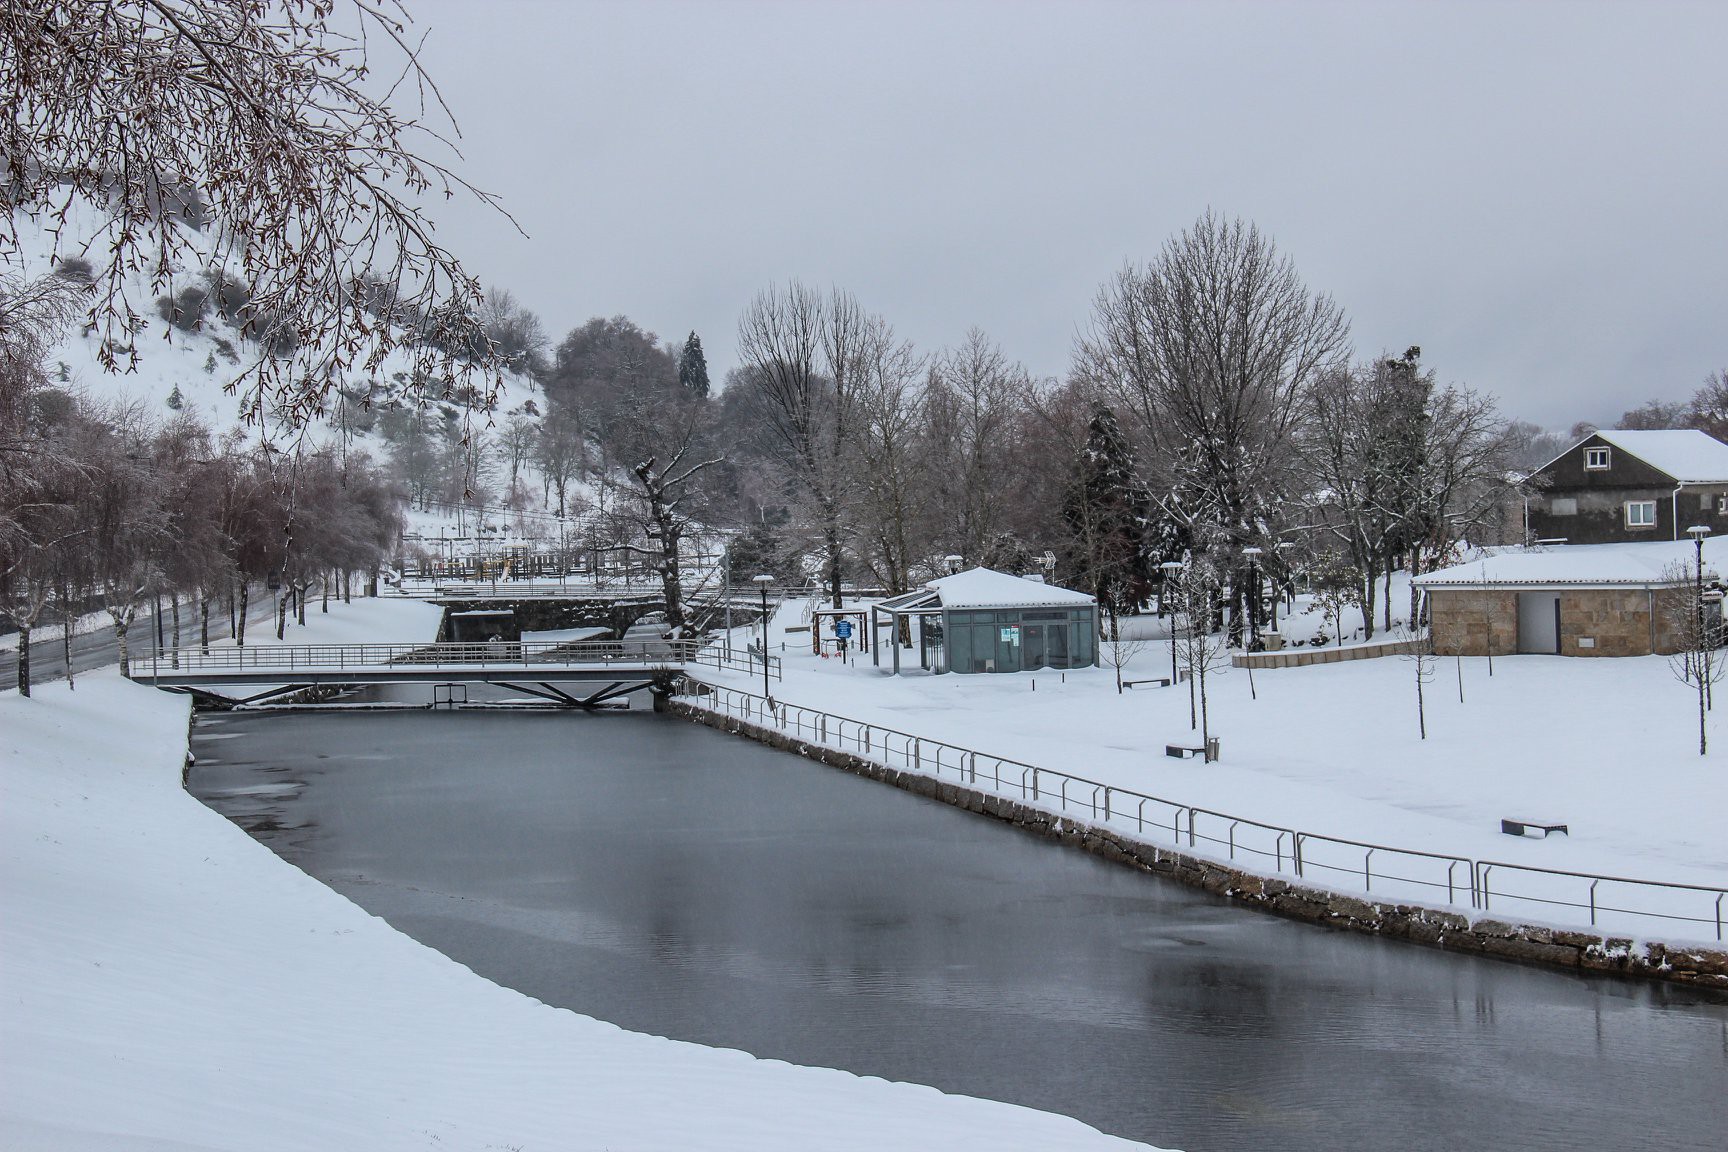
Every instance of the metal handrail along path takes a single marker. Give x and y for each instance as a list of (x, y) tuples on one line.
[(1272, 850)]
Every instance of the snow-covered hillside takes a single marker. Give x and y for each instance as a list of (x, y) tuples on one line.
[(187, 366)]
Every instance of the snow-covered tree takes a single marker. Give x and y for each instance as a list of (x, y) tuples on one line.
[(693, 367), (274, 127), (1213, 346), (1107, 510)]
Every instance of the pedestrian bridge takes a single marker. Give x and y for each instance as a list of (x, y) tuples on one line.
[(578, 674)]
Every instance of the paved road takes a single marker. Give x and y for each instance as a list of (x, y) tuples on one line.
[(97, 647)]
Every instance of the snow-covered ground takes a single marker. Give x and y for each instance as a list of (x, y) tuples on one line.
[(172, 986), (1609, 747)]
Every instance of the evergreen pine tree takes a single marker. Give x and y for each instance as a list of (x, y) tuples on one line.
[(693, 367), (175, 400), (1108, 512)]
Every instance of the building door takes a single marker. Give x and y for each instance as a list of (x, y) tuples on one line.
[(1032, 647), (1539, 622)]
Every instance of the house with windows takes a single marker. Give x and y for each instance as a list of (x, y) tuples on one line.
[(1590, 600), (1628, 486), (986, 621)]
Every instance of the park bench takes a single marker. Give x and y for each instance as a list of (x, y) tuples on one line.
[(1207, 751), (1160, 681), (1528, 827)]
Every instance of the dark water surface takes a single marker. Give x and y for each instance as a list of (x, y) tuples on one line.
[(677, 881)]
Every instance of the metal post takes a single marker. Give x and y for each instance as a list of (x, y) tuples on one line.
[(762, 582)]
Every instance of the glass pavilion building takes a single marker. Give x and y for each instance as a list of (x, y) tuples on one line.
[(985, 621)]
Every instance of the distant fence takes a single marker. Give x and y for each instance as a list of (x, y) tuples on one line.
[(1379, 871)]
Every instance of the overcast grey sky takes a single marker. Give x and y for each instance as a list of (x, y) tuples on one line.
[(1536, 193)]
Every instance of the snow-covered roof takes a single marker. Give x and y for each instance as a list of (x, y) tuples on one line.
[(1688, 455), (1647, 564), (985, 588)]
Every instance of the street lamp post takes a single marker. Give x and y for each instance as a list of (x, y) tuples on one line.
[(762, 582), (726, 592), (1171, 568), (1698, 532), (1253, 598)]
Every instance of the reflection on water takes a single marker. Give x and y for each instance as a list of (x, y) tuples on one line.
[(681, 882)]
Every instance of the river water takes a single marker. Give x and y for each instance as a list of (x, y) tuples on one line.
[(678, 881)]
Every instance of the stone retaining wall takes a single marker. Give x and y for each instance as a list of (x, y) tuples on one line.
[(1302, 657), (1454, 931)]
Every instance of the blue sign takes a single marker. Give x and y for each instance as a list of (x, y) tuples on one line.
[(843, 629)]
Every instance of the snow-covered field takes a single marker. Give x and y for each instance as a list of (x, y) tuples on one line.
[(170, 985), (1609, 747)]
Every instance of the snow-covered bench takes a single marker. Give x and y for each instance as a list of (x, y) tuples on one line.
[(1526, 827)]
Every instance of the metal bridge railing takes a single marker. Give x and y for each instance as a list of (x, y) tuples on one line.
[(492, 654), (1378, 871)]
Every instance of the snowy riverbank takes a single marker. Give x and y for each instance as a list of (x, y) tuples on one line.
[(1608, 747), (171, 985)]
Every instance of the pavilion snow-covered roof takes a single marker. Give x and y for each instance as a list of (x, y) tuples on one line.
[(985, 588)]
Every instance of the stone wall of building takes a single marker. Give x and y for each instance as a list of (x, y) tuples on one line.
[(1465, 621), (1604, 622)]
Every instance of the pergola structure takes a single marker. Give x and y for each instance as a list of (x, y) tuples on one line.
[(860, 636), (924, 606)]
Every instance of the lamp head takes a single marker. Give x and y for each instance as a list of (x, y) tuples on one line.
[(1698, 531)]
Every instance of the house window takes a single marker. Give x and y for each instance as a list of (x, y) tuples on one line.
[(1640, 513), (1595, 459), (1563, 506)]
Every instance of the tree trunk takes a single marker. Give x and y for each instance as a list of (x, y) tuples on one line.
[(204, 620), (24, 659), (120, 627), (70, 612), (1369, 579), (1421, 714), (240, 632), (1389, 570), (831, 537), (174, 614)]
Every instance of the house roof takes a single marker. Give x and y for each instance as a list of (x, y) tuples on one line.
[(1688, 455), (1646, 564), (984, 588)]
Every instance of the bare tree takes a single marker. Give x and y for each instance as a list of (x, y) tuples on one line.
[(1696, 627), (1422, 660), (1201, 649), (973, 398), (274, 130), (664, 490), (1213, 345), (1119, 653), (893, 462), (1709, 408), (808, 356)]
